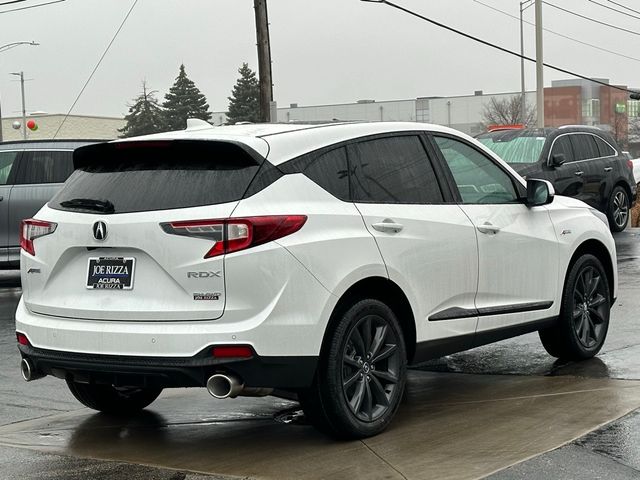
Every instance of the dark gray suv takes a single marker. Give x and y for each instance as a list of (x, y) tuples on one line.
[(581, 162), (30, 174)]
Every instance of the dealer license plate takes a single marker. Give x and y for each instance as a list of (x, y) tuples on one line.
[(114, 273)]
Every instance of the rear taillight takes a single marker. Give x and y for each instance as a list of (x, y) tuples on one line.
[(234, 234), (31, 229), (630, 164), (22, 339)]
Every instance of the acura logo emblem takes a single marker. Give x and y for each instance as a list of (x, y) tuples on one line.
[(100, 230)]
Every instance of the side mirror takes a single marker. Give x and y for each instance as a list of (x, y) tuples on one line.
[(558, 159), (539, 192)]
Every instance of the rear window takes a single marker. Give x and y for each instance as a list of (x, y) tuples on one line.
[(515, 146), (143, 176)]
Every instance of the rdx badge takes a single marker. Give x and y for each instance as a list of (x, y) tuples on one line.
[(203, 274)]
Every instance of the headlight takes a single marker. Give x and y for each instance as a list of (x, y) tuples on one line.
[(600, 215)]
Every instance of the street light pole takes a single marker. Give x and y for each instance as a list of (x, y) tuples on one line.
[(539, 67), (24, 108), (523, 103), (4, 48)]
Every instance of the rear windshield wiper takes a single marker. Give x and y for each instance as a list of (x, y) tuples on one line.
[(104, 206)]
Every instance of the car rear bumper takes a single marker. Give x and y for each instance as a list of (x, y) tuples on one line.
[(286, 373)]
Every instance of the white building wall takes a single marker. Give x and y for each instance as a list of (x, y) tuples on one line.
[(75, 127)]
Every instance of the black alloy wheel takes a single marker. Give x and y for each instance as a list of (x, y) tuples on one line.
[(370, 368), (619, 206), (589, 297)]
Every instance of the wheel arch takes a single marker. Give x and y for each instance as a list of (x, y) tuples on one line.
[(386, 291), (598, 250)]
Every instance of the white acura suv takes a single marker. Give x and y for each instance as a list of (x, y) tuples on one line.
[(320, 260)]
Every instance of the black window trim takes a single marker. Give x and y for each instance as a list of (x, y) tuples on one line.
[(520, 189), (615, 150)]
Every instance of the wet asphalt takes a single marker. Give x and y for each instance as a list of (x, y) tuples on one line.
[(611, 451)]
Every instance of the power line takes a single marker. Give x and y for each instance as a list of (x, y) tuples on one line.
[(624, 6), (494, 46), (31, 6), (614, 9), (628, 57), (591, 19), (12, 1), (104, 54)]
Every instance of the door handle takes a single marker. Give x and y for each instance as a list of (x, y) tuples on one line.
[(1, 198), (608, 169), (388, 226), (488, 228), (579, 173)]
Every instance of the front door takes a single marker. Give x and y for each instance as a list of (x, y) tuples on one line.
[(517, 245)]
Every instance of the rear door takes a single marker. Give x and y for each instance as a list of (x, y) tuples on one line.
[(517, 245), (9, 161), (156, 208), (40, 176), (428, 246)]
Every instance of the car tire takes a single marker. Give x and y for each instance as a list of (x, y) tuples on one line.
[(109, 399), (619, 209), (361, 373), (584, 314)]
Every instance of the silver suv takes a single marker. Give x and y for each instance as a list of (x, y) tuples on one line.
[(30, 174)]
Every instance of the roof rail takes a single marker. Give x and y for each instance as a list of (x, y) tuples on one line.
[(593, 127)]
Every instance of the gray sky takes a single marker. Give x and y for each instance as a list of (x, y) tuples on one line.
[(324, 51)]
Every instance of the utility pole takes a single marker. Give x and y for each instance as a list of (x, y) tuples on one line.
[(523, 106), (539, 66), (264, 59), (24, 108)]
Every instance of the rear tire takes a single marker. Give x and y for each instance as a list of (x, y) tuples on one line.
[(109, 399), (618, 210), (361, 374), (584, 314)]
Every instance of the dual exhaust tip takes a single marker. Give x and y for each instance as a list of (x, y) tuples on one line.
[(223, 385)]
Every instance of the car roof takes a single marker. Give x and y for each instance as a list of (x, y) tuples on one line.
[(280, 142), (50, 144)]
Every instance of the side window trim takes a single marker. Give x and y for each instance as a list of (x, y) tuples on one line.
[(616, 153), (517, 186)]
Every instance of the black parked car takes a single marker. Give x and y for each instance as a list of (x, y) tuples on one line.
[(581, 162)]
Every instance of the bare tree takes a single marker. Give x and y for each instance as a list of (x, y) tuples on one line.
[(508, 111), (620, 129)]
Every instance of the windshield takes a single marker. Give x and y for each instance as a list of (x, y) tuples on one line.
[(514, 148)]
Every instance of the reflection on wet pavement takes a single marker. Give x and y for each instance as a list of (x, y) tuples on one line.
[(493, 422)]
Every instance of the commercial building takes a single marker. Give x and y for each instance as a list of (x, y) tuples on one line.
[(75, 126)]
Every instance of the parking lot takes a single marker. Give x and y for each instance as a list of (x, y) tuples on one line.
[(506, 410)]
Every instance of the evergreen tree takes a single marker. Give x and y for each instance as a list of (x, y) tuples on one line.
[(145, 115), (184, 101), (244, 103)]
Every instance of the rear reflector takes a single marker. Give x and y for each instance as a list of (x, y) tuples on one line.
[(235, 234), (630, 164), (31, 229), (232, 351), (22, 339)]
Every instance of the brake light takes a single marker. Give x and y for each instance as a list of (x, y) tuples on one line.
[(630, 164), (235, 234), (31, 229)]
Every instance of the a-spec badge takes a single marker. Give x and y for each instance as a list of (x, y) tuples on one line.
[(99, 230), (206, 296)]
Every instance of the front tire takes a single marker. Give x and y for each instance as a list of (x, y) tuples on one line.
[(584, 315), (361, 374), (110, 399), (618, 211)]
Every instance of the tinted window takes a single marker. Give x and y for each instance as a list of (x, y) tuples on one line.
[(563, 145), (515, 146), (604, 148), (6, 162), (119, 178), (330, 171), (584, 146), (479, 180), (45, 167), (392, 170)]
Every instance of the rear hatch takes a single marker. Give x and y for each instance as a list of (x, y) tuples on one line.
[(133, 238)]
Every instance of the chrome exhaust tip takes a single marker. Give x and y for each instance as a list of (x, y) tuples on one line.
[(28, 371), (224, 386)]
